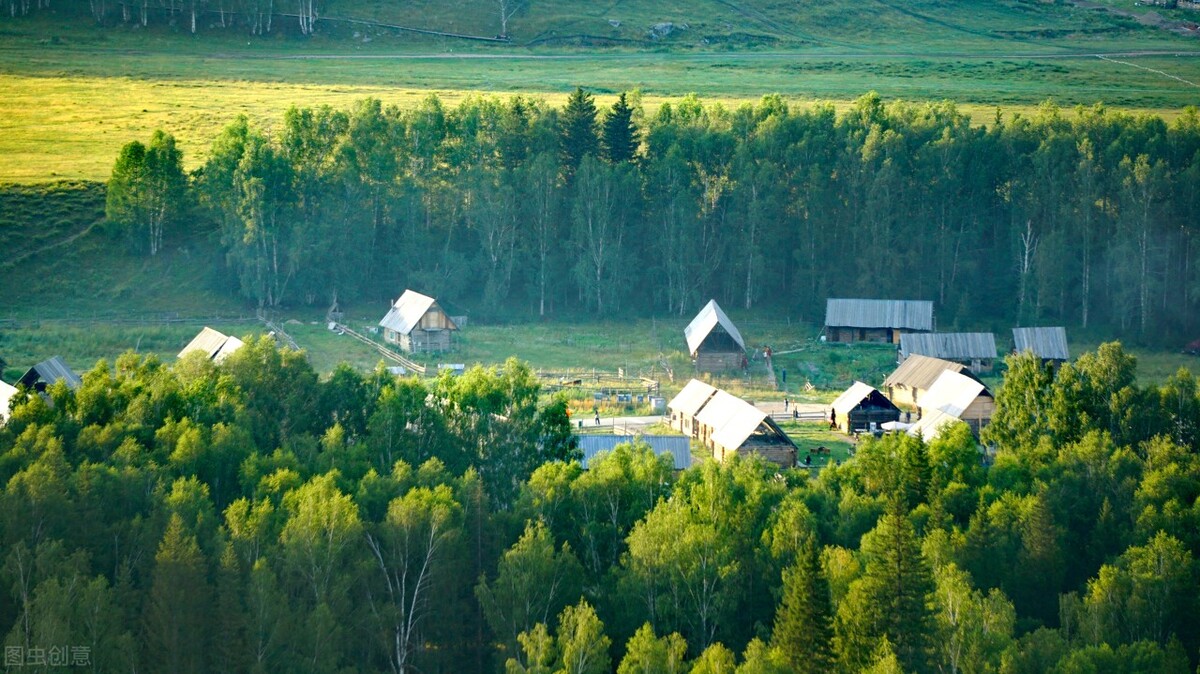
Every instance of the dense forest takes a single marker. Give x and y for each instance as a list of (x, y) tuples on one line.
[(516, 208), (249, 517)]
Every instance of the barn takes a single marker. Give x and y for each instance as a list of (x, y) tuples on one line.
[(677, 447), (863, 408), (883, 321), (215, 345), (1049, 344), (976, 350), (685, 406), (961, 397), (909, 383), (417, 324), (729, 425), (714, 341), (47, 372)]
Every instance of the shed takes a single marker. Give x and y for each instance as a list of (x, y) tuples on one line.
[(908, 384), (974, 349), (931, 426), (214, 344), (729, 425), (862, 406), (677, 447), (1049, 344), (856, 320), (961, 397), (47, 372), (7, 391), (713, 340), (416, 323), (685, 406)]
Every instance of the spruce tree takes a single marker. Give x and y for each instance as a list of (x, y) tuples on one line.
[(578, 129), (802, 623), (620, 134)]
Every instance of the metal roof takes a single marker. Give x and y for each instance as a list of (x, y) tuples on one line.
[(407, 311), (853, 313), (709, 318), (7, 391), (949, 345), (678, 446), (50, 371), (919, 372), (953, 393), (692, 398), (853, 396), (932, 424), (214, 344), (1048, 343)]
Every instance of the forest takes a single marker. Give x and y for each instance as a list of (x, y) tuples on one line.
[(251, 517), (511, 208)]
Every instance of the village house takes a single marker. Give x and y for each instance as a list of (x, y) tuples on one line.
[(883, 321), (47, 372), (976, 350), (687, 404), (908, 384), (961, 397), (729, 425), (417, 324), (713, 341), (1049, 344), (862, 408), (215, 345), (7, 391)]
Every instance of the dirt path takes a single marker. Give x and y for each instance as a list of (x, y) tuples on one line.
[(50, 246)]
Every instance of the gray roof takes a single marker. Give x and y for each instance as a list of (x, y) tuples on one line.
[(953, 393), (1048, 343), (678, 446), (734, 420), (906, 314), (919, 372), (214, 344), (949, 345), (50, 371), (692, 398), (854, 395), (407, 311), (709, 318)]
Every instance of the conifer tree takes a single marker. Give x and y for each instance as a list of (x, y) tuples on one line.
[(578, 130), (620, 135), (178, 604), (802, 624)]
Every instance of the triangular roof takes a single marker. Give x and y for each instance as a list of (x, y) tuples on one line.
[(214, 344), (407, 311), (919, 372), (953, 393), (692, 398), (50, 371), (1047, 343), (734, 420), (857, 393), (932, 424), (703, 324), (949, 345), (856, 313)]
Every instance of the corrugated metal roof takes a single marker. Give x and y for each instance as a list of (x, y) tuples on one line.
[(710, 317), (932, 424), (407, 311), (678, 446), (214, 344), (732, 419), (919, 372), (952, 393), (7, 391), (852, 397), (50, 371), (853, 313), (1049, 343), (949, 345), (692, 398)]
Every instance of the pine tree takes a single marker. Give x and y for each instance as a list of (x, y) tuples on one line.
[(620, 134), (578, 129), (178, 605), (802, 624)]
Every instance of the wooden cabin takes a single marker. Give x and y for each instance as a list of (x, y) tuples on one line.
[(862, 408), (909, 383), (976, 350), (729, 425), (215, 345), (713, 340), (417, 324), (1049, 344), (685, 406), (677, 447), (882, 321), (961, 397), (47, 372)]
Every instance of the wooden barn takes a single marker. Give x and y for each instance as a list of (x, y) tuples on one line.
[(215, 345), (685, 406), (48, 372), (961, 397), (417, 324), (677, 447), (976, 350), (729, 425), (883, 321), (714, 341), (1049, 344), (909, 383), (862, 406)]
